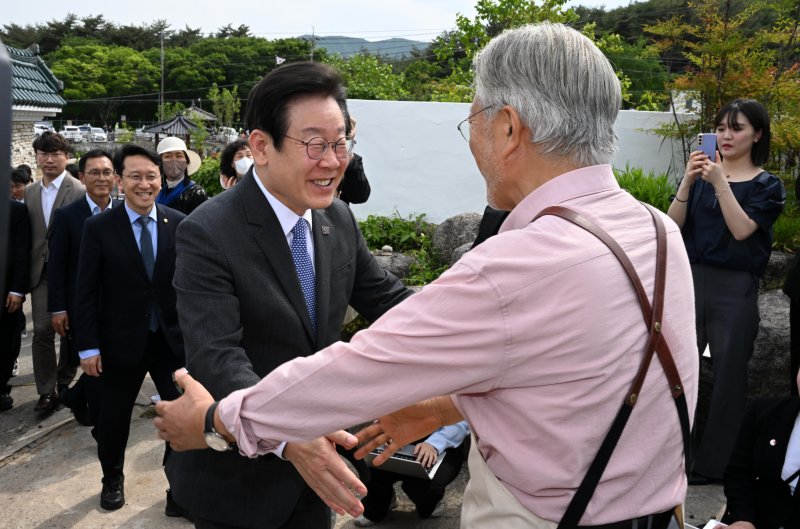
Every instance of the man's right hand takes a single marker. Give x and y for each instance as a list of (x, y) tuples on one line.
[(60, 323), (92, 366)]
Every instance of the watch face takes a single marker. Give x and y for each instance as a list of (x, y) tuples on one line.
[(217, 442)]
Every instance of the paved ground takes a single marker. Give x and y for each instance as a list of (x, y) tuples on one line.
[(50, 477)]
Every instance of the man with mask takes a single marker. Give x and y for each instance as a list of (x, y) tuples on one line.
[(179, 163)]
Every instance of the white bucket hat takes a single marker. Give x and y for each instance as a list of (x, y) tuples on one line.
[(176, 144)]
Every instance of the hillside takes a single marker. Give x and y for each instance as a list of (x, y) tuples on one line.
[(394, 48)]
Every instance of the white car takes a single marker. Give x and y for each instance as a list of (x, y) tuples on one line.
[(39, 129), (98, 134), (72, 133), (227, 135), (140, 134)]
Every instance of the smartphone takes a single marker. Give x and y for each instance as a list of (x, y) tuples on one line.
[(708, 144)]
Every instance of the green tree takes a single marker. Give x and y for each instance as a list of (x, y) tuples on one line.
[(225, 104), (366, 77)]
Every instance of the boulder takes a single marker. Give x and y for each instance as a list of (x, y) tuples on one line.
[(454, 232), (775, 273), (458, 252), (396, 263)]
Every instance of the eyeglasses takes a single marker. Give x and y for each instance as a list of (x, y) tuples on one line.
[(95, 173), (316, 148), (150, 178), (55, 155), (465, 130)]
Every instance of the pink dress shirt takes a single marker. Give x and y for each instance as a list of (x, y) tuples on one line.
[(537, 334)]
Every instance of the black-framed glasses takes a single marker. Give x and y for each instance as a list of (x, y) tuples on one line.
[(316, 148), (465, 130)]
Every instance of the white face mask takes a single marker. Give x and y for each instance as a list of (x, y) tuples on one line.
[(242, 165)]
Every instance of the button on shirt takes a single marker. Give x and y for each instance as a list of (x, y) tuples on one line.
[(137, 233), (538, 334), (48, 195)]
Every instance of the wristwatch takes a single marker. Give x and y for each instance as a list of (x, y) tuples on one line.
[(213, 438)]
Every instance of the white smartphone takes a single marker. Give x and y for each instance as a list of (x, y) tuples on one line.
[(708, 144)]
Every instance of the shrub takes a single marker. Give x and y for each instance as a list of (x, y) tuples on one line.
[(650, 188), (208, 176)]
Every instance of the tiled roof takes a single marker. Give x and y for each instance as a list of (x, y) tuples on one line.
[(195, 112), (32, 82), (176, 126)]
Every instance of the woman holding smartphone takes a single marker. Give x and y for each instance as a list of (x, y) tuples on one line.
[(726, 207)]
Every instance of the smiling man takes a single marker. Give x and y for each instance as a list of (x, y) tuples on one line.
[(126, 321), (96, 172), (274, 288)]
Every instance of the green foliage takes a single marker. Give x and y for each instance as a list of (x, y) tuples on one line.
[(169, 110), (412, 236), (208, 176), (366, 77), (786, 230), (650, 188), (225, 104)]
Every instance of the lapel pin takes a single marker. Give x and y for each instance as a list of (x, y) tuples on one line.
[(772, 442), (165, 220), (326, 230)]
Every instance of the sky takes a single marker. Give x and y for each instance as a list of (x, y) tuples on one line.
[(369, 19)]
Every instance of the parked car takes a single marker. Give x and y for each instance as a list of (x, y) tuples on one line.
[(227, 135), (142, 135), (72, 133), (86, 132), (98, 134), (38, 129)]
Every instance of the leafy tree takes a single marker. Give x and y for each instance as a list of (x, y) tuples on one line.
[(225, 104), (169, 110), (366, 77)]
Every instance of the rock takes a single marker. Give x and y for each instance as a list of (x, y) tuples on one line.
[(458, 252), (396, 263), (454, 232), (775, 273)]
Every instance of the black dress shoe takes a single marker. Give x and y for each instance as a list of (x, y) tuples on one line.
[(47, 403), (173, 510), (699, 479), (112, 496), (72, 400), (6, 402)]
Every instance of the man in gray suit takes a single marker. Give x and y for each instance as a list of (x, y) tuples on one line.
[(56, 188), (264, 273)]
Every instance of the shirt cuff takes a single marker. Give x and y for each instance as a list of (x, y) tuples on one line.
[(58, 312), (88, 353), (17, 294)]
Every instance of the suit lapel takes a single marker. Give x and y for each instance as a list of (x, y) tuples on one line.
[(270, 238), (323, 244), (122, 225), (66, 188), (777, 431)]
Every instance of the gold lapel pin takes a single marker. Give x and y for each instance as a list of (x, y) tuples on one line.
[(165, 220)]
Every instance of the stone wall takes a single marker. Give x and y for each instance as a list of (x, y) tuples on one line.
[(21, 140)]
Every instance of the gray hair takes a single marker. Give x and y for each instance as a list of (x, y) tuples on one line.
[(562, 85)]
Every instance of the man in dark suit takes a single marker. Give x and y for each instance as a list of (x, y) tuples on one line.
[(264, 274), (56, 188), (18, 258), (126, 323), (96, 172)]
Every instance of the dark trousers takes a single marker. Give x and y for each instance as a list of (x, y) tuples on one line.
[(9, 345), (726, 308), (425, 493), (794, 344), (310, 512), (119, 387)]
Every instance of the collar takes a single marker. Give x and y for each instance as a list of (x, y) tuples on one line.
[(564, 187), (93, 205), (132, 215), (286, 216), (57, 182)]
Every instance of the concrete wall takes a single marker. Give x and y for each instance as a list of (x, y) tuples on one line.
[(417, 162)]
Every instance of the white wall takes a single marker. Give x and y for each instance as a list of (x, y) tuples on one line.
[(417, 162)]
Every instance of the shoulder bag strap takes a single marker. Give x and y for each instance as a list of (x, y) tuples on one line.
[(656, 344)]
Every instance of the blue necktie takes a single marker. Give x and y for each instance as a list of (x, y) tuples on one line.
[(146, 247), (305, 269)]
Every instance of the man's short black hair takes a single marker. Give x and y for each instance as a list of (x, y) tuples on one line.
[(267, 104), (27, 168), (131, 149), (226, 158), (94, 153), (20, 176), (49, 141)]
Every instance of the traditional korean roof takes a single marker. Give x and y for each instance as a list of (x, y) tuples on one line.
[(197, 113), (177, 126), (33, 84)]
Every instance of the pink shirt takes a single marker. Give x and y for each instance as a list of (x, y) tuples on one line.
[(538, 334)]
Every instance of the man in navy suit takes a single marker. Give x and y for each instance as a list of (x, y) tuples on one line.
[(126, 323), (96, 172), (18, 259)]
